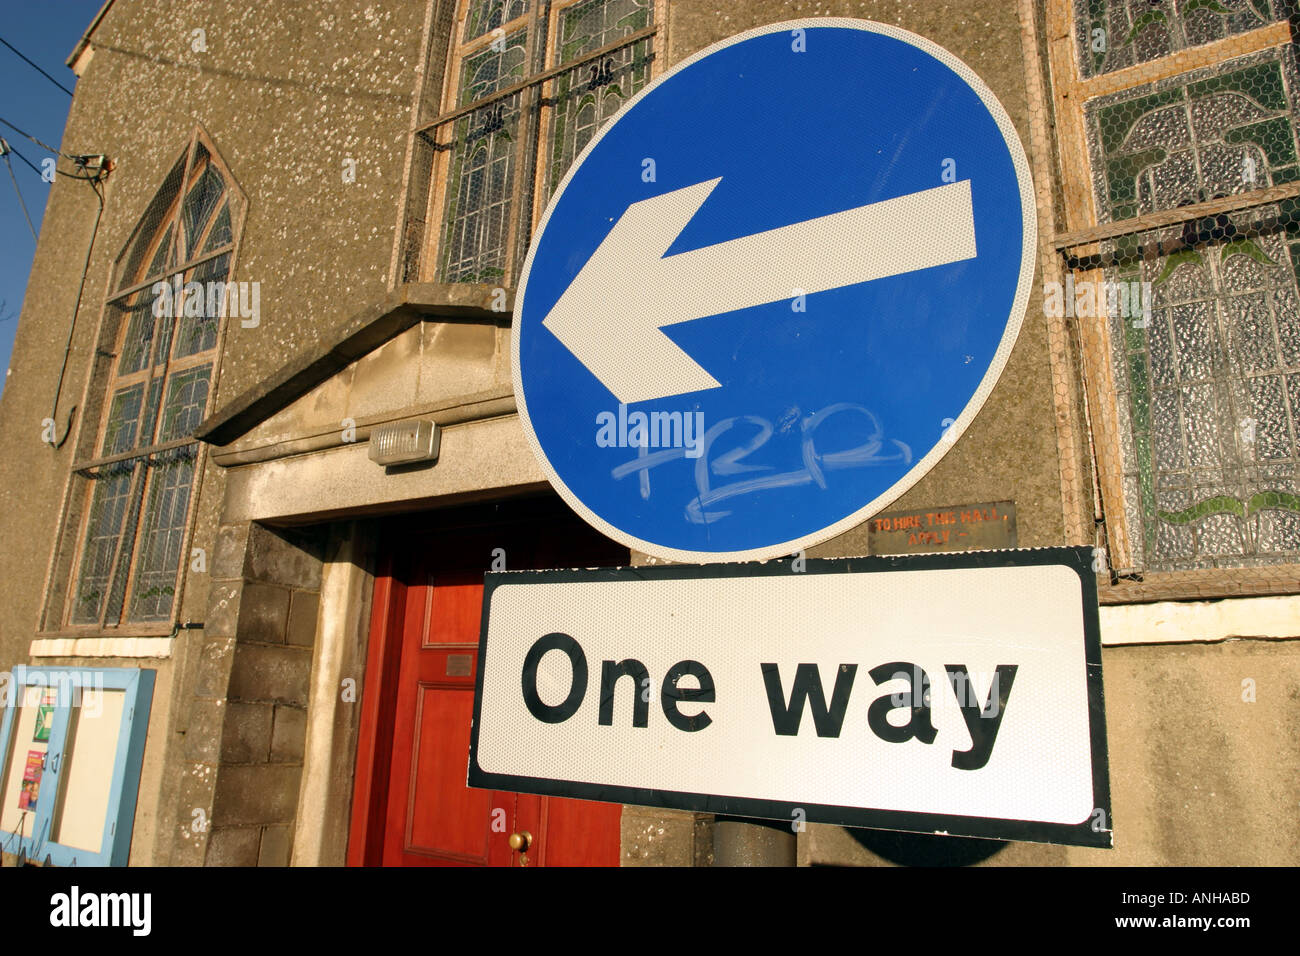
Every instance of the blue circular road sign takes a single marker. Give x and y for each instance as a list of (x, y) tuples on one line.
[(774, 290)]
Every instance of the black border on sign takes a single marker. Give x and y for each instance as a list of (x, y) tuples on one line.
[(1077, 559)]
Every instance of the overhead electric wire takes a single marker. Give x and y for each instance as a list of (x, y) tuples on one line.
[(23, 158), (35, 67), (56, 168), (5, 150), (94, 233), (76, 307), (45, 146)]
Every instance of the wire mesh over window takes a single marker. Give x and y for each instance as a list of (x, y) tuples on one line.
[(532, 87), (1207, 389), (583, 99), (479, 190), (1199, 302), (138, 478), (162, 533), (1198, 136), (483, 16), (1113, 34), (112, 492)]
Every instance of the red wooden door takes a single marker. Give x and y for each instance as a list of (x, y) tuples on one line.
[(411, 804)]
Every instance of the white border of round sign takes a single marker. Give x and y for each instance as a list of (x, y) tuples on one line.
[(1029, 218)]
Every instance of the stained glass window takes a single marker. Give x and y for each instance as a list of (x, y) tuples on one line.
[(1195, 137), (497, 155), (482, 165), (483, 16), (1113, 34), (584, 99), (162, 534), (1207, 383), (140, 474)]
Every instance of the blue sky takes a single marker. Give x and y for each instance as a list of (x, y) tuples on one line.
[(46, 33)]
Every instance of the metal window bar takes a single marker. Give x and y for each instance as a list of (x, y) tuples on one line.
[(539, 78)]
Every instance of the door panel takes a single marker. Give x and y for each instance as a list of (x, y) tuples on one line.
[(454, 607), (574, 832), (412, 806), (443, 822)]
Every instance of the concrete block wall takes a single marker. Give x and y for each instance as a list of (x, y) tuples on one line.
[(248, 716)]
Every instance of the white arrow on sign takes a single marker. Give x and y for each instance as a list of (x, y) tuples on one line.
[(611, 315)]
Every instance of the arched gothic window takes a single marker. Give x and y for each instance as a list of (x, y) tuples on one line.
[(156, 362)]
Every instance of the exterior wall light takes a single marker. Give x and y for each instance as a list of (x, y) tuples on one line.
[(405, 442)]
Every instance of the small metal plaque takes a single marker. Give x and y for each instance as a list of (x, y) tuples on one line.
[(460, 665), (976, 527)]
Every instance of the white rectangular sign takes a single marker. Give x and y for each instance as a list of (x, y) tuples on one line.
[(956, 693)]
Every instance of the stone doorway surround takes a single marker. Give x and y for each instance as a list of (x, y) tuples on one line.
[(271, 724)]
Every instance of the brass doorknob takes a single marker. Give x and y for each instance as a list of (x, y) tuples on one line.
[(521, 841)]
